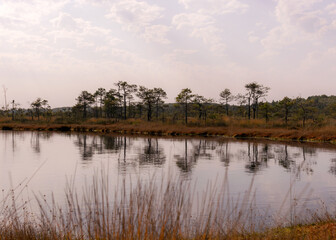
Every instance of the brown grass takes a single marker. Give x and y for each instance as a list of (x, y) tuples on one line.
[(168, 210), (238, 129)]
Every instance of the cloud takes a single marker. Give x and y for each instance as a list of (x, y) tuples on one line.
[(331, 9), (203, 27), (300, 13), (77, 34), (252, 37), (215, 6), (135, 15), (65, 22), (201, 20), (178, 55), (299, 21), (139, 17), (317, 60), (156, 33), (28, 12)]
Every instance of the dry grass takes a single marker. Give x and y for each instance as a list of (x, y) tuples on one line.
[(234, 128), (168, 210)]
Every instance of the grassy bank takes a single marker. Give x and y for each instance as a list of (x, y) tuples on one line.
[(245, 129), (320, 231)]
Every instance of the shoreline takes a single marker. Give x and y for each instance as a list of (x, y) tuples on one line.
[(320, 135)]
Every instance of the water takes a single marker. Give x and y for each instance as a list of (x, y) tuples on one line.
[(283, 174)]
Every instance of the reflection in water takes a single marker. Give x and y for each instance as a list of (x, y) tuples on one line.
[(185, 162), (152, 153), (256, 161), (223, 153), (308, 154), (284, 165), (294, 158), (35, 140), (199, 149), (85, 146), (297, 159), (283, 157), (332, 169)]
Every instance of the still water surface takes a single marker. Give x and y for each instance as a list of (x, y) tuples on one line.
[(281, 172)]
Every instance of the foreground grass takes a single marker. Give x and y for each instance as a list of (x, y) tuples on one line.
[(317, 231), (239, 129), (170, 209), (314, 231)]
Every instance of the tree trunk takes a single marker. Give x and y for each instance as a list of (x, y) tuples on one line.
[(149, 112), (199, 111), (286, 116), (186, 113), (84, 111), (157, 110), (249, 108), (125, 107), (129, 109)]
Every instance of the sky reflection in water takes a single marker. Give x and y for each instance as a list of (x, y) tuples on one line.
[(273, 166)]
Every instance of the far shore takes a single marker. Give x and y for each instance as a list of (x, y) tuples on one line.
[(323, 134)]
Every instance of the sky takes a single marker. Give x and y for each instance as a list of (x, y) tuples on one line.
[(55, 49)]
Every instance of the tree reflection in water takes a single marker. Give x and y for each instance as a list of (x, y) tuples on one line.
[(12, 137), (256, 161), (283, 157), (85, 146), (89, 145), (35, 140), (332, 169), (130, 152), (296, 158), (199, 149), (223, 152), (301, 160), (152, 153), (185, 162)]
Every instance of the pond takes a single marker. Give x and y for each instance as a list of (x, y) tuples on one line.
[(280, 175)]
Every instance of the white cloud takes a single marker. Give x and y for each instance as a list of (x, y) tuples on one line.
[(300, 13), (156, 33), (215, 6), (177, 55), (28, 12), (252, 37), (331, 9), (299, 21), (317, 60), (139, 17), (73, 42), (203, 27), (201, 20), (193, 20), (78, 34), (134, 15), (65, 22)]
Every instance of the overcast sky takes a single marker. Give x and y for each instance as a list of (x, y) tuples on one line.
[(56, 49)]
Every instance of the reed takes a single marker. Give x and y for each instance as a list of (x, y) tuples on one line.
[(167, 209)]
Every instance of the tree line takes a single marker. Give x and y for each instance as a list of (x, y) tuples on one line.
[(129, 101)]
